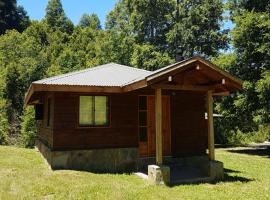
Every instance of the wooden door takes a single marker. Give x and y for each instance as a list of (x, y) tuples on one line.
[(147, 130)]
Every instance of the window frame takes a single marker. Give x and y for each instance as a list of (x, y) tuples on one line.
[(49, 112), (143, 126), (108, 125)]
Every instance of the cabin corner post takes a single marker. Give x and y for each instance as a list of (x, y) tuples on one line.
[(210, 123), (158, 112)]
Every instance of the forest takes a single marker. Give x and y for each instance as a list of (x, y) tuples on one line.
[(143, 34)]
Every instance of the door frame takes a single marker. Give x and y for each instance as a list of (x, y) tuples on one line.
[(148, 135)]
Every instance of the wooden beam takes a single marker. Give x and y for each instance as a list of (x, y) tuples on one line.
[(222, 93), (182, 87), (210, 122), (158, 109)]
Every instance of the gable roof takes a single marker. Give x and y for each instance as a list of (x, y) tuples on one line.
[(115, 78)]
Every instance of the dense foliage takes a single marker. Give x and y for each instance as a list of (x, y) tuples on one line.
[(144, 34), (248, 113)]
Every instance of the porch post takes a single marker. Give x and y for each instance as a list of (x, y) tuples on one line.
[(158, 108), (211, 142)]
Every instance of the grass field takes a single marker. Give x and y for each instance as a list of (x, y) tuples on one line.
[(25, 175)]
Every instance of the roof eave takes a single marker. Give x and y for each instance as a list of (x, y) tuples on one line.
[(69, 88)]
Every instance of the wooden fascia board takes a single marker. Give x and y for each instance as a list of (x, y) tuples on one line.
[(28, 95), (238, 81), (76, 88), (134, 86), (169, 71), (69, 88)]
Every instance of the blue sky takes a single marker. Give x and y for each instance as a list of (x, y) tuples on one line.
[(73, 8)]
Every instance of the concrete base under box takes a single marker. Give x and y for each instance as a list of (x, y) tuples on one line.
[(159, 174), (96, 160), (216, 170)]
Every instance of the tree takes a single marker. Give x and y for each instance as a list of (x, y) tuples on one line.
[(12, 16), (196, 28), (149, 20), (251, 44), (146, 20), (91, 21), (56, 17), (148, 57)]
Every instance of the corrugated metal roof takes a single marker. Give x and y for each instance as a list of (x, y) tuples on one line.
[(111, 74)]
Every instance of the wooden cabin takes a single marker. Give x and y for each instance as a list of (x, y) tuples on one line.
[(115, 118)]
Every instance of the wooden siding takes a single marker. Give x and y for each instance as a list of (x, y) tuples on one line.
[(189, 127), (122, 131), (44, 132)]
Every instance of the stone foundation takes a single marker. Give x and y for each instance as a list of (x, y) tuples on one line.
[(96, 160), (118, 160)]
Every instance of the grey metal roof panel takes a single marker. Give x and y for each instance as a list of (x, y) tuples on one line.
[(111, 74)]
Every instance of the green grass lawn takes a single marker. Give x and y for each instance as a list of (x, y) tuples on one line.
[(25, 175)]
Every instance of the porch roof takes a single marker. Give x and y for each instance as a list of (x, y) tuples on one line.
[(190, 74)]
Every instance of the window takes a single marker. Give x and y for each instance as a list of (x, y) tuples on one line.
[(39, 111), (143, 118), (93, 111), (49, 112)]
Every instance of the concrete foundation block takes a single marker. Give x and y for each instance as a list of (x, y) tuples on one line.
[(159, 174), (216, 170)]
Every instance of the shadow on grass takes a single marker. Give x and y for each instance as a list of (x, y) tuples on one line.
[(230, 176), (258, 151)]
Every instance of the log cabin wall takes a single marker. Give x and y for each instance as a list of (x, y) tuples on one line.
[(122, 131), (45, 128), (189, 127)]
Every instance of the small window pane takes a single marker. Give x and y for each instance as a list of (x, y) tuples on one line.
[(142, 103), (143, 134), (86, 110), (142, 118), (101, 110)]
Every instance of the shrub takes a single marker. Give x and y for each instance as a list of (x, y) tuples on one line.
[(28, 130), (3, 124)]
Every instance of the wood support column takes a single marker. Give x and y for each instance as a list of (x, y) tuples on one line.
[(158, 109), (210, 122)]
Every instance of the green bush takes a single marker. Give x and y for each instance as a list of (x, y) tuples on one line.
[(29, 129), (239, 138), (3, 124), (3, 129)]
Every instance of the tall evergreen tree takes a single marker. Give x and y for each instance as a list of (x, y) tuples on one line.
[(91, 21), (12, 16), (56, 17), (196, 28)]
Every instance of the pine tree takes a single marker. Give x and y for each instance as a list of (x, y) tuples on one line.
[(12, 16), (91, 21), (56, 17)]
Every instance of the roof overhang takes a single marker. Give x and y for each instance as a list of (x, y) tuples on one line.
[(219, 81), (221, 78)]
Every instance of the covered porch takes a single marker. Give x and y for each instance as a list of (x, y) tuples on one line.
[(198, 77)]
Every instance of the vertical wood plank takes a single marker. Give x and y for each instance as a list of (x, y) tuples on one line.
[(211, 142), (158, 107)]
